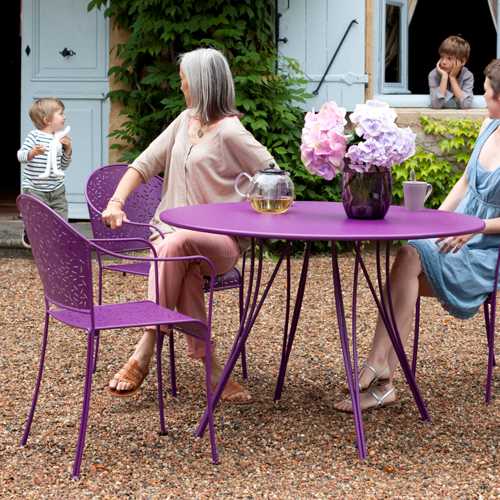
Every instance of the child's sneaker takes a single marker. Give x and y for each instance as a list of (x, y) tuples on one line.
[(25, 240)]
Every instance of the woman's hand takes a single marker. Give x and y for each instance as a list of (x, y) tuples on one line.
[(113, 216), (453, 243)]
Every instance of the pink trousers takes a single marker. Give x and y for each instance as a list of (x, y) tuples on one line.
[(181, 283)]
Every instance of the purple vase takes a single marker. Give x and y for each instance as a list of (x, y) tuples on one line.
[(366, 195)]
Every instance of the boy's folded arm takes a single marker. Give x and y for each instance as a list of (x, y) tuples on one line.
[(467, 88), (22, 155), (28, 145), (65, 161), (437, 99)]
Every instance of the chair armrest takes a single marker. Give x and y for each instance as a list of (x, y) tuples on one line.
[(132, 223), (151, 226), (94, 244), (155, 260)]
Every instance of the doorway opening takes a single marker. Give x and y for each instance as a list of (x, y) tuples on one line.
[(432, 22), (11, 36)]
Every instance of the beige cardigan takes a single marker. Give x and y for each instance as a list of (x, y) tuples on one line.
[(203, 172)]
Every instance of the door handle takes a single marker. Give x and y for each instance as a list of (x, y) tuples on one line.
[(67, 52)]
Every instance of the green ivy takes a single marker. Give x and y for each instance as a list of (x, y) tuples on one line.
[(160, 30), (455, 139)]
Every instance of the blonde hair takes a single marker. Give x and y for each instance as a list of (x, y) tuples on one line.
[(211, 85), (43, 109), (455, 46)]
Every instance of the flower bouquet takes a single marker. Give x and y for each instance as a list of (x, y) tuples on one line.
[(365, 156)]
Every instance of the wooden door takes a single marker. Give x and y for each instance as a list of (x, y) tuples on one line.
[(65, 54)]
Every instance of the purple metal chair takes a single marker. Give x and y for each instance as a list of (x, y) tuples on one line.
[(63, 258), (489, 309), (140, 208)]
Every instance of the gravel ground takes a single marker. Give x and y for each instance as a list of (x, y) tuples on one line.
[(299, 448)]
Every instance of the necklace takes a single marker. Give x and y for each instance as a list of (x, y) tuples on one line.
[(199, 133)]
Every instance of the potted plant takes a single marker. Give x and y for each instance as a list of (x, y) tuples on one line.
[(365, 156)]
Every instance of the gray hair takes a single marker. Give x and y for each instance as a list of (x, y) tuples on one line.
[(211, 85)]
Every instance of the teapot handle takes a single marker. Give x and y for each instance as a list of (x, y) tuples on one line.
[(237, 181)]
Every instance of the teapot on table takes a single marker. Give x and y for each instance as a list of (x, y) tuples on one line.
[(271, 190)]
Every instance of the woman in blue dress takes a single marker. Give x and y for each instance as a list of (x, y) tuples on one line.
[(458, 270)]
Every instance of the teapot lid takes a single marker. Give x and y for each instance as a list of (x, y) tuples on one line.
[(273, 169)]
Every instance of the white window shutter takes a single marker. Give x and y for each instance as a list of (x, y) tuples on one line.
[(314, 30)]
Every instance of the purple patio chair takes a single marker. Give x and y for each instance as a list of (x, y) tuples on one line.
[(489, 309), (140, 208), (63, 258)]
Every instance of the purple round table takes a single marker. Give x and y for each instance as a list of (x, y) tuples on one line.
[(310, 221)]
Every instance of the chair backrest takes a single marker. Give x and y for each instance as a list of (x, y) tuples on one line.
[(139, 207), (62, 255)]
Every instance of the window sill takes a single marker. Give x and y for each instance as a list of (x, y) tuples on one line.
[(410, 117), (422, 101)]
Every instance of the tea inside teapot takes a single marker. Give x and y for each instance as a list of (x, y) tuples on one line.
[(263, 205), (270, 191)]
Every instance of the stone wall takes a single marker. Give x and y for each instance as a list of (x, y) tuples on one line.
[(410, 117)]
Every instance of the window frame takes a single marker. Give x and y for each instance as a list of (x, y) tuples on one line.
[(397, 94), (400, 87)]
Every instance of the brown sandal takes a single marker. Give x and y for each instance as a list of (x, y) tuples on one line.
[(132, 373), (235, 394)]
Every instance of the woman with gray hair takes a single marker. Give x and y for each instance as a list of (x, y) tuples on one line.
[(200, 154)]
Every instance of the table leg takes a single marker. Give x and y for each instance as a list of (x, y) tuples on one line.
[(285, 327), (251, 310), (289, 336), (386, 311), (351, 368)]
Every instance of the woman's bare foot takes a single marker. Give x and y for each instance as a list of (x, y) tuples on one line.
[(374, 397)]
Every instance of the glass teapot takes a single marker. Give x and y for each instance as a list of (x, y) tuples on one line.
[(270, 191)]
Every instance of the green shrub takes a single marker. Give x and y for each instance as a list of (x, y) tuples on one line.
[(455, 139), (160, 30)]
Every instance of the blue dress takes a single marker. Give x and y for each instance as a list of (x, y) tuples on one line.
[(462, 281)]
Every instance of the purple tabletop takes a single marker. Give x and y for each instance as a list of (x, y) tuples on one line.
[(319, 220)]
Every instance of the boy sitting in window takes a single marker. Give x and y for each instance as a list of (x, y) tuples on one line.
[(450, 82)]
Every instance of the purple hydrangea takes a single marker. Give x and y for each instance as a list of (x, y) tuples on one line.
[(378, 141)]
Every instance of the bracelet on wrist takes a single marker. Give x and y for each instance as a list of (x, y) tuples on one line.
[(116, 199)]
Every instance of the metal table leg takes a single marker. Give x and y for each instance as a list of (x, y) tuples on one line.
[(252, 308), (350, 366), (289, 336), (385, 308)]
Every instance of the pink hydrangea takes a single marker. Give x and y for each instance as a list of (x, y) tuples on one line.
[(377, 141), (323, 141)]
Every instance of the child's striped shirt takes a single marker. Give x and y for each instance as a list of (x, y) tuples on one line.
[(37, 165)]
